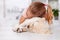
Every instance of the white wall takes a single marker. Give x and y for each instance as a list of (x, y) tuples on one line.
[(43, 1), (17, 3), (59, 10), (54, 4), (13, 7), (59, 4), (1, 9)]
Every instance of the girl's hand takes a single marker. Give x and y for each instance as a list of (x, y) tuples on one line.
[(22, 19)]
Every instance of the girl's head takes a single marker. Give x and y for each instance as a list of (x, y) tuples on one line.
[(37, 9)]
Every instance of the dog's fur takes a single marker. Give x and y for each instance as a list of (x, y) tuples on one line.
[(36, 24)]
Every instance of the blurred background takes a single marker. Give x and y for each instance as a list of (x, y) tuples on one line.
[(11, 10)]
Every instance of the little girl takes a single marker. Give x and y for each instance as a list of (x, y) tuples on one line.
[(37, 9)]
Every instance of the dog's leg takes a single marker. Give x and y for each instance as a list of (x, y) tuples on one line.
[(22, 27)]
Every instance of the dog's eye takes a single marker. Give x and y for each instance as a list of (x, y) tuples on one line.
[(28, 26)]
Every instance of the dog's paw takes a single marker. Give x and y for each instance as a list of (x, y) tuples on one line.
[(17, 29)]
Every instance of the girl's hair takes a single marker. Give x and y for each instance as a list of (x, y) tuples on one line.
[(49, 14), (38, 8)]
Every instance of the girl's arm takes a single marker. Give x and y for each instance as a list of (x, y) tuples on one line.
[(22, 19), (23, 16)]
